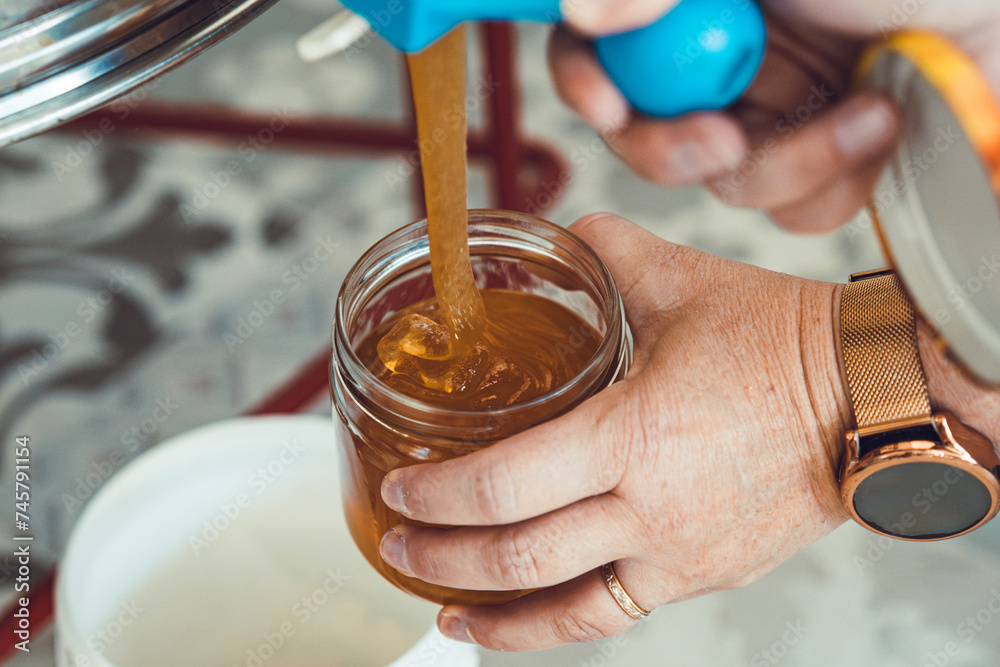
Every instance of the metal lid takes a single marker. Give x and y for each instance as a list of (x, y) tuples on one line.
[(62, 58), (938, 204)]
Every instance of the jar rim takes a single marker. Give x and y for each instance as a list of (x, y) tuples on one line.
[(379, 254)]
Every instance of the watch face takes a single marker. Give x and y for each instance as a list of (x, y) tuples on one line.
[(922, 500)]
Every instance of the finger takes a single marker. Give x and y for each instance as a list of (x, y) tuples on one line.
[(790, 79), (582, 84), (782, 170), (580, 610), (650, 272), (605, 17), (838, 203), (549, 466), (685, 150), (543, 551)]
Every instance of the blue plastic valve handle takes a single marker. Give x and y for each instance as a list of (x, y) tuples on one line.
[(701, 55)]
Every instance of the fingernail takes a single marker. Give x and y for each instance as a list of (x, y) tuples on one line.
[(609, 112), (601, 17), (586, 15), (692, 161), (393, 551), (603, 106), (611, 124), (392, 493), (864, 128), (728, 156), (454, 626)]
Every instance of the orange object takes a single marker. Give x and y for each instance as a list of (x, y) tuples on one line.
[(959, 80)]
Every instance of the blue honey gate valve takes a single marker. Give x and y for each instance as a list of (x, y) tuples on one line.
[(700, 56)]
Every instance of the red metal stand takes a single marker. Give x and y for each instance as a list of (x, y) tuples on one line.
[(518, 167)]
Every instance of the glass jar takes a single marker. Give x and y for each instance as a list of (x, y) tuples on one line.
[(383, 429)]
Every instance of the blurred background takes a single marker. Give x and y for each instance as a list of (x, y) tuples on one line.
[(149, 286)]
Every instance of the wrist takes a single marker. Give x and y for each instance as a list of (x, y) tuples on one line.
[(827, 385), (898, 449), (950, 387)]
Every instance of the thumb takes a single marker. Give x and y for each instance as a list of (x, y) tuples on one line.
[(647, 269), (605, 17)]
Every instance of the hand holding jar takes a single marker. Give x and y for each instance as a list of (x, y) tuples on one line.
[(712, 462)]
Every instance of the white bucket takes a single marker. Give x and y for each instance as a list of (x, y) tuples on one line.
[(227, 546)]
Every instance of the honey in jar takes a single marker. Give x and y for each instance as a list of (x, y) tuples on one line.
[(554, 335), (530, 345)]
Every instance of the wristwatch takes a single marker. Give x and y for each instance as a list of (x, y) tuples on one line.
[(908, 471)]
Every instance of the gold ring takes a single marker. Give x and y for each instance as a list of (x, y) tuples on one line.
[(623, 599)]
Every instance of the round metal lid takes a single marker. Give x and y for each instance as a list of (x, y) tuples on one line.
[(62, 58), (937, 206)]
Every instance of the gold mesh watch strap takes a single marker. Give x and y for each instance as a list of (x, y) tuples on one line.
[(879, 338)]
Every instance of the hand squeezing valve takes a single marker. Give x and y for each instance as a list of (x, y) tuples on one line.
[(701, 55)]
